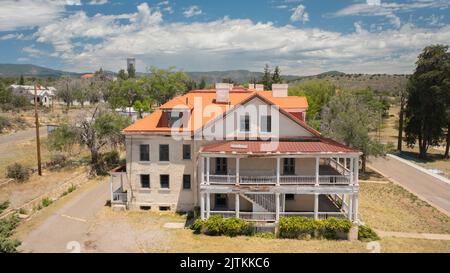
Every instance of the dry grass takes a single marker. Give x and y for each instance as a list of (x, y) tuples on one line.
[(403, 245), (390, 207)]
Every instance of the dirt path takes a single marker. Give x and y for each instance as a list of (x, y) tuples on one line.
[(66, 227), (425, 186), (22, 135)]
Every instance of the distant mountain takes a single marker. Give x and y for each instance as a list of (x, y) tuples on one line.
[(30, 70), (238, 76)]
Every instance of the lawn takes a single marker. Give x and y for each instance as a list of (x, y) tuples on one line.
[(389, 207)]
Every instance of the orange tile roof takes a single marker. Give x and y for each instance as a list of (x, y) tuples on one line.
[(86, 76), (204, 98)]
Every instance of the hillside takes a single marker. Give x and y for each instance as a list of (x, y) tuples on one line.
[(238, 76), (30, 70), (380, 82)]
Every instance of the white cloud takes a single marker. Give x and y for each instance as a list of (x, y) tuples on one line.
[(192, 11), (98, 2), (28, 13), (230, 43), (389, 9), (300, 14), (11, 36)]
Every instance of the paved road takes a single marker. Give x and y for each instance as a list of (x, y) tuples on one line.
[(69, 223), (23, 135), (425, 186)]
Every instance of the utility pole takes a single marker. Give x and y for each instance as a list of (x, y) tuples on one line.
[(38, 142)]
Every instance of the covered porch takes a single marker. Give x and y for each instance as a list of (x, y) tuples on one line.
[(269, 207)]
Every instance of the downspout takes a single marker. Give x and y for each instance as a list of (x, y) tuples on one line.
[(129, 169)]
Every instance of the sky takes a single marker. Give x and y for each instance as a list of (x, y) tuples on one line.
[(302, 37)]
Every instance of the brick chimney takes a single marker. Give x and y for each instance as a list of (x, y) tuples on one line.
[(279, 90), (223, 92), (259, 87)]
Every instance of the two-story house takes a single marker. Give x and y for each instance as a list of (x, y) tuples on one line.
[(236, 151)]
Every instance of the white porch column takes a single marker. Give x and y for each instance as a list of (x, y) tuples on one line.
[(317, 170), (236, 204), (351, 171), (316, 206), (202, 165), (208, 159), (277, 206), (356, 171), (208, 204), (237, 171), (278, 171), (343, 202), (350, 207), (283, 202), (345, 162), (355, 209), (202, 206)]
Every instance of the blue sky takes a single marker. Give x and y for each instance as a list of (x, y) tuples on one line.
[(303, 37)]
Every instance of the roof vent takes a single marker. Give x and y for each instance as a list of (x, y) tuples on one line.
[(259, 87), (222, 92), (279, 90), (251, 86)]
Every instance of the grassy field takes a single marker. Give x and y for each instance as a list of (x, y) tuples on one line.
[(435, 159)]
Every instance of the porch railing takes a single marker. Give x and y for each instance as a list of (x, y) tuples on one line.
[(119, 197), (284, 180), (271, 216)]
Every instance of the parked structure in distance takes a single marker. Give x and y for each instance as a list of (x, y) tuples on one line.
[(236, 151), (45, 94)]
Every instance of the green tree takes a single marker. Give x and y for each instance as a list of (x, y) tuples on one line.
[(64, 91), (202, 84), (62, 139), (427, 109), (318, 94), (122, 75), (276, 77), (125, 93), (142, 107), (164, 84), (267, 78), (349, 119), (131, 71), (21, 80), (80, 90)]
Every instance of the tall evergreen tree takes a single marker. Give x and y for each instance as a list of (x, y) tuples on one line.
[(267, 78), (426, 109), (21, 80), (276, 77)]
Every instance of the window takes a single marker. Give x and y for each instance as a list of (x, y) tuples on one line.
[(145, 181), (289, 166), (164, 208), (163, 152), (145, 207), (289, 196), (245, 123), (187, 181), (266, 124), (164, 181), (186, 151), (144, 152), (174, 117), (221, 165)]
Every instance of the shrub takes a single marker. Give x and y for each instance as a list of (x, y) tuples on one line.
[(4, 205), (4, 123), (217, 225), (305, 228), (57, 161), (7, 226), (214, 225), (234, 226), (18, 172), (46, 202), (111, 159), (365, 233), (197, 226), (23, 211)]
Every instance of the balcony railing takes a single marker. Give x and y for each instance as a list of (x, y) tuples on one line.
[(271, 216), (284, 180)]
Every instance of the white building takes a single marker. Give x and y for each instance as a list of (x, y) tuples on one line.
[(236, 152), (45, 94)]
